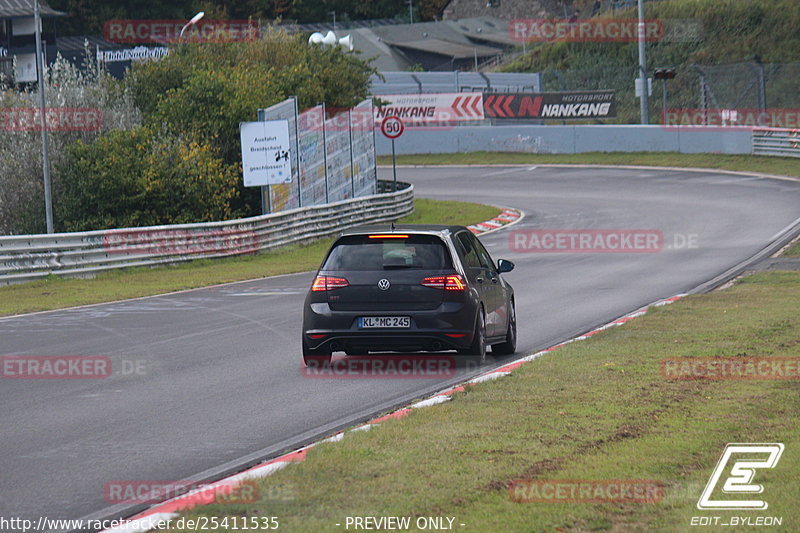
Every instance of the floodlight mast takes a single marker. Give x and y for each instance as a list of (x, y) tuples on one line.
[(194, 20)]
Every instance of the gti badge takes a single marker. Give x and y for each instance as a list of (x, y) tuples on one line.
[(384, 284)]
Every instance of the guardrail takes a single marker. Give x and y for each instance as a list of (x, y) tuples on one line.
[(83, 254), (776, 141)]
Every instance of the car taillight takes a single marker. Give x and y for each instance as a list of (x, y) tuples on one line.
[(328, 283), (453, 282)]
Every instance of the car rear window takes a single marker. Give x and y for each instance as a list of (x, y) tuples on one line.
[(360, 252)]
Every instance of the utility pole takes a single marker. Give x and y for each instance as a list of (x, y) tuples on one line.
[(48, 197), (643, 85)]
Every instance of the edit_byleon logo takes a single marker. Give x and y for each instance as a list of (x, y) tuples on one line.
[(744, 460)]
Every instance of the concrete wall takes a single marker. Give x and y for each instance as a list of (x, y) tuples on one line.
[(567, 140)]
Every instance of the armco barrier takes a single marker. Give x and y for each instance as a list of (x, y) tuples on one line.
[(568, 139), (776, 141), (28, 257)]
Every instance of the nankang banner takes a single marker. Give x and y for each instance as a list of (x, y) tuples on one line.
[(579, 105), (428, 108)]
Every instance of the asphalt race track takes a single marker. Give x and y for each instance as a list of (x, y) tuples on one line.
[(207, 380)]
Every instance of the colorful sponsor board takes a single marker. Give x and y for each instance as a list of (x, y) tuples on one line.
[(552, 106), (429, 108), (138, 31)]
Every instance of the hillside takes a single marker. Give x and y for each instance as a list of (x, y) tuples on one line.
[(734, 34)]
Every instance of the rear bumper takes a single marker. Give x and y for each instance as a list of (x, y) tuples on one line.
[(448, 327)]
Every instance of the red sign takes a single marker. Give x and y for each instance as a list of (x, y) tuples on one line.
[(468, 106), (392, 127)]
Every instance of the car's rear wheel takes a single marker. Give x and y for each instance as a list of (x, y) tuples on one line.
[(315, 358), (478, 348), (510, 346)]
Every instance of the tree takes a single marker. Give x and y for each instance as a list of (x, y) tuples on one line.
[(203, 92)]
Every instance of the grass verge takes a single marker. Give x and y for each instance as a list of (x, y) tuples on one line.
[(785, 166), (57, 293), (593, 410)]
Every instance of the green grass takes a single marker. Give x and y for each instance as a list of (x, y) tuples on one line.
[(786, 166), (793, 250), (56, 293), (597, 409)]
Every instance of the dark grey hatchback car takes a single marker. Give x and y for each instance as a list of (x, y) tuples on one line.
[(408, 288)]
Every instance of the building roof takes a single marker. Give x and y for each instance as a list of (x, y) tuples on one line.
[(77, 42), (383, 56), (24, 8), (450, 49), (484, 29), (396, 47)]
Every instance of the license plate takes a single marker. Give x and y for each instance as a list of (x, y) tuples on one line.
[(384, 322)]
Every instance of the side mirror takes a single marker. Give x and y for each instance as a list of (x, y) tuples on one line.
[(504, 265)]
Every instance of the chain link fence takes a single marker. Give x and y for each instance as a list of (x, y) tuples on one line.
[(737, 86)]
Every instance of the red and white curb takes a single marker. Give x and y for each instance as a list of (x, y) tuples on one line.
[(170, 508), (506, 218)]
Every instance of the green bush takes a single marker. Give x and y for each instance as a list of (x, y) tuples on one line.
[(143, 178)]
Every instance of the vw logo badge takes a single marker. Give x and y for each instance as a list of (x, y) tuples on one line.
[(384, 284)]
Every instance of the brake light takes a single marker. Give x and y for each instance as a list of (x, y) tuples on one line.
[(328, 283), (392, 236), (453, 282)]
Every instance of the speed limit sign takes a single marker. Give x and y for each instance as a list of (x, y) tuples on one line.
[(392, 127)]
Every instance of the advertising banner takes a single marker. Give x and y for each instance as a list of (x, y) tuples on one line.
[(419, 109), (557, 106)]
